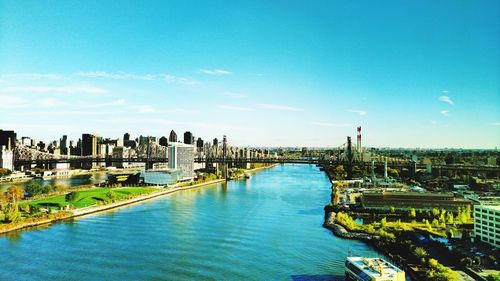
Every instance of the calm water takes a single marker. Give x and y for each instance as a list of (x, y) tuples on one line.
[(66, 182), (266, 228)]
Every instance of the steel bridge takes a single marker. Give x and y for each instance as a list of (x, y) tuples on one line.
[(150, 153)]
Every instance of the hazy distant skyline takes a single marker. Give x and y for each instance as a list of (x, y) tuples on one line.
[(264, 73)]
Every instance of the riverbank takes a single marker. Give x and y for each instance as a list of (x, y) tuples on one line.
[(65, 215)]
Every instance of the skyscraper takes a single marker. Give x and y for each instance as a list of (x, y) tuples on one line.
[(8, 139), (172, 137), (163, 141), (199, 143), (188, 137), (89, 145), (126, 137), (64, 145)]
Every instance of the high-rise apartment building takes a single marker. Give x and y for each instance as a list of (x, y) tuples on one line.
[(487, 224), (181, 158)]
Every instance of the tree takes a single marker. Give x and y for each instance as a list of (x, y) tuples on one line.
[(383, 222), (435, 212), (421, 254), (5, 172), (71, 197), (14, 193), (412, 213), (449, 218), (59, 188), (392, 210), (34, 188), (47, 188), (111, 195)]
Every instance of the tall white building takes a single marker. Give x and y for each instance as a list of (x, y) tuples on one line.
[(487, 224), (181, 157), (6, 158)]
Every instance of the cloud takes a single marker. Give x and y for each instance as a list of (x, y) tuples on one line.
[(145, 109), (445, 112), (444, 91), (325, 124), (278, 107), (50, 102), (12, 102), (234, 108), (32, 76), (120, 75), (359, 112), (446, 99), (234, 95), (217, 72), (70, 89), (495, 123)]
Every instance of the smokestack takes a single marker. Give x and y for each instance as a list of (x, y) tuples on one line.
[(385, 168), (358, 144)]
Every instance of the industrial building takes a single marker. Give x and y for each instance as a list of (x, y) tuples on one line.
[(417, 200)]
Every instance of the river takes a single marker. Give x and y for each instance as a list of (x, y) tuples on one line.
[(264, 228)]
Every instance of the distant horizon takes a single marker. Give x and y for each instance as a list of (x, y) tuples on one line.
[(264, 73), (210, 139)]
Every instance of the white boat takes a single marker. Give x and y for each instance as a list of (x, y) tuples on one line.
[(372, 269)]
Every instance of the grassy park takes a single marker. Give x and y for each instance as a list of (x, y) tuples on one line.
[(85, 198)]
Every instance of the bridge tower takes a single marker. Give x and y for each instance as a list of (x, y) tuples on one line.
[(224, 164)]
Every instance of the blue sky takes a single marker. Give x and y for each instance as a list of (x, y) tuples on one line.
[(270, 73)]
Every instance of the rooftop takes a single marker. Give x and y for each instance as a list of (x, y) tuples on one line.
[(375, 267)]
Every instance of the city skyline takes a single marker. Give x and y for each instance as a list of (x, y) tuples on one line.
[(272, 74)]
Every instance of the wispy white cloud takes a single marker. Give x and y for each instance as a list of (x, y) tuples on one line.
[(68, 113), (69, 89), (50, 102), (120, 75), (114, 103), (446, 99), (12, 102), (359, 112), (217, 72), (31, 76), (145, 109), (181, 111), (278, 107), (444, 91), (234, 95), (325, 124), (445, 112), (234, 108)]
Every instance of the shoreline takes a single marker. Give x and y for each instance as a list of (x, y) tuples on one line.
[(98, 209)]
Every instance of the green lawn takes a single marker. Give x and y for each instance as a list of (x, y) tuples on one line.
[(90, 197)]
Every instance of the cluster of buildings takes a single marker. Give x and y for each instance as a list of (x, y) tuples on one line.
[(180, 151)]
